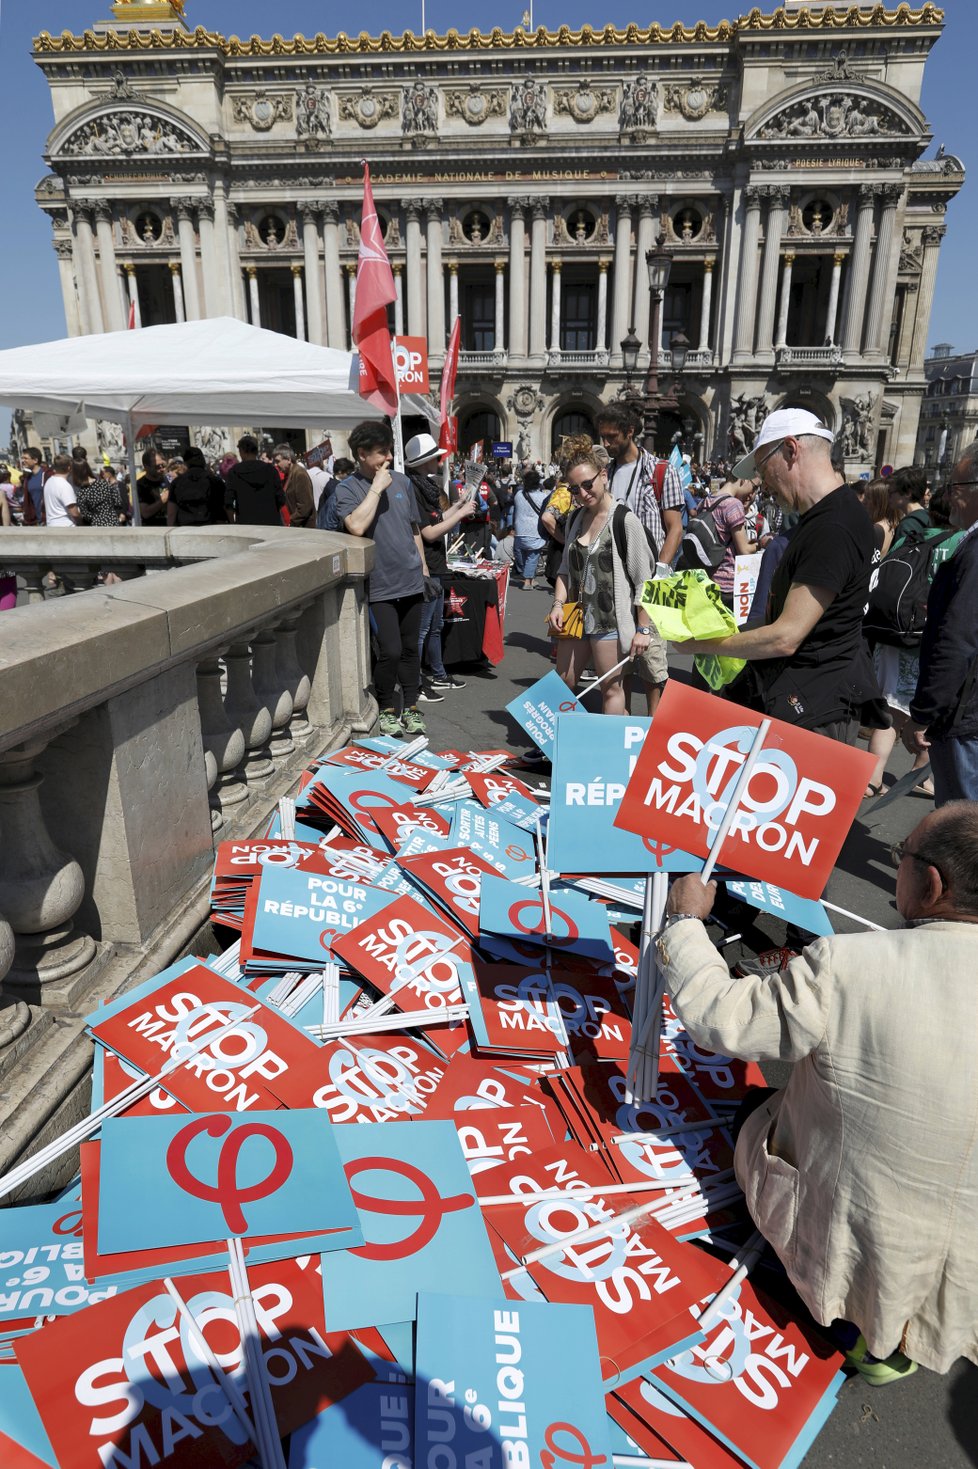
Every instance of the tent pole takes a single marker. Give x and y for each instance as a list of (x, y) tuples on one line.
[(137, 519)]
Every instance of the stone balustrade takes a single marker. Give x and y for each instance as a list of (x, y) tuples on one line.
[(140, 722)]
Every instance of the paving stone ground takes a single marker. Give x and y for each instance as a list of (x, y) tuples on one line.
[(927, 1422)]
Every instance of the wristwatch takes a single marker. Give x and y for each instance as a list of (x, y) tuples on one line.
[(672, 918), (643, 632)]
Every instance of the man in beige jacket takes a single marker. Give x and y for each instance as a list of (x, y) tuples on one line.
[(862, 1173)]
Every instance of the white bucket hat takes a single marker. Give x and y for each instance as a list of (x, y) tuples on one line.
[(795, 423), (420, 449)]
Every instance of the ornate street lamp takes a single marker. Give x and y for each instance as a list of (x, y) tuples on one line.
[(659, 264), (630, 346)]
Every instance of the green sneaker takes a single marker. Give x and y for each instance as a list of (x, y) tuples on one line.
[(876, 1372), (413, 722), (390, 723)]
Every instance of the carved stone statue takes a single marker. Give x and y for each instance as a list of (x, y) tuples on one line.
[(639, 105), (312, 118), (213, 442), (110, 438), (834, 115), (419, 109), (746, 416), (113, 134), (858, 426), (528, 108)]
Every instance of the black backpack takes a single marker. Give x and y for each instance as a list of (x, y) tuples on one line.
[(898, 592), (701, 548)]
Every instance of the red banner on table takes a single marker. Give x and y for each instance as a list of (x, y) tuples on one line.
[(794, 815)]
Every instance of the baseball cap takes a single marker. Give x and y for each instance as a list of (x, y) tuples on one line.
[(420, 449), (783, 423)]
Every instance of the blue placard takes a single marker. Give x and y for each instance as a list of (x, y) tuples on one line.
[(359, 792), (807, 913), (577, 925), (422, 1224), (502, 449), (168, 1181), (41, 1262), (471, 1352), (494, 838), (19, 1417), (300, 913), (536, 710), (373, 1428), (591, 768)]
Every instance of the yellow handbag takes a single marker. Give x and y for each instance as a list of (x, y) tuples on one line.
[(572, 622)]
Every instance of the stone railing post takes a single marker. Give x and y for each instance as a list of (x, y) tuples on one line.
[(41, 887), (222, 742), (14, 1017), (246, 711), (271, 691), (293, 676)]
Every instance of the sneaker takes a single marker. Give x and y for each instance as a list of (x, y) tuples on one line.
[(390, 723), (448, 682), (772, 961), (588, 676), (413, 722), (879, 1372), (429, 694)]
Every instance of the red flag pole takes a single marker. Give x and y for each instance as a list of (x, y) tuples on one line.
[(371, 335)]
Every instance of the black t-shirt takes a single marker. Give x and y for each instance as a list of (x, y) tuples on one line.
[(254, 492), (151, 507), (428, 496), (827, 677)]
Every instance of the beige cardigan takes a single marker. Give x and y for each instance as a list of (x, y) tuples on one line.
[(863, 1172)]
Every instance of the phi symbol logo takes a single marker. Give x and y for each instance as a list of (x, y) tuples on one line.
[(430, 1208), (579, 1453), (226, 1190)]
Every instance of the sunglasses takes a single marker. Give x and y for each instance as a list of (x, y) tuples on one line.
[(584, 484), (900, 850)]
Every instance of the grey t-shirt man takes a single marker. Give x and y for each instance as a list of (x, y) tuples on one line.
[(397, 565)]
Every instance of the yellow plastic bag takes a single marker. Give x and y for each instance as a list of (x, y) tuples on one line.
[(687, 607)]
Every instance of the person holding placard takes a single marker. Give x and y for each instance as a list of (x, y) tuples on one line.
[(862, 1172), (605, 566)]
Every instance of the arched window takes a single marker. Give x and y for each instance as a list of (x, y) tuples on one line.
[(571, 421), (478, 425)]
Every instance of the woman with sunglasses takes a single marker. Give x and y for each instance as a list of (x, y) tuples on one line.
[(605, 566)]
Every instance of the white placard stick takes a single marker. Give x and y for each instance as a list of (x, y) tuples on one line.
[(733, 805), (403, 755), (639, 1461), (742, 1263), (544, 877), (596, 684), (202, 1347), (404, 1020), (286, 816), (268, 1443), (664, 1133), (581, 1236), (132, 1093), (657, 1185), (834, 907)]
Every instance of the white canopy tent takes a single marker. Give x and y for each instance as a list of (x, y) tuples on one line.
[(221, 371)]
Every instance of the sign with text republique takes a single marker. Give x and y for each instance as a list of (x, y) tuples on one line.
[(794, 815)]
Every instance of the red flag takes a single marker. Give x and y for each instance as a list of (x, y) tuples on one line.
[(448, 374), (375, 291), (132, 316)]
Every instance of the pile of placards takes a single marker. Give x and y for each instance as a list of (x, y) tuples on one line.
[(520, 1257)]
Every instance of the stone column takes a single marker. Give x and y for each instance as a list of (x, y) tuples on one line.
[(853, 316), (930, 237), (648, 205), (351, 290), (601, 334), (436, 279), (213, 301), (832, 314), (777, 212), (335, 309), (555, 267), (224, 744), (41, 887), (188, 257), (70, 294), (310, 247), (271, 692), (224, 244), (452, 292), (499, 335), (621, 296), (747, 280), (293, 676), (706, 304), (246, 712), (251, 271), (415, 319), (397, 271), (538, 280), (517, 277), (881, 291), (111, 300), (300, 314), (236, 284), (90, 300), (789, 261), (178, 289)]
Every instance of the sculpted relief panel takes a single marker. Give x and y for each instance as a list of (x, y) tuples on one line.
[(117, 134), (835, 115)]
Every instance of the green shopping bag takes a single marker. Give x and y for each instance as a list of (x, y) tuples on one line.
[(687, 606)]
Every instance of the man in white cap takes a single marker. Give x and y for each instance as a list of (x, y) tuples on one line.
[(808, 659), (422, 457)]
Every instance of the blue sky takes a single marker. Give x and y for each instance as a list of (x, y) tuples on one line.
[(31, 303)]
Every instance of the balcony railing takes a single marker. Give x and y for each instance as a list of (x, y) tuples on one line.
[(807, 357), (495, 358), (564, 361), (136, 719)]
